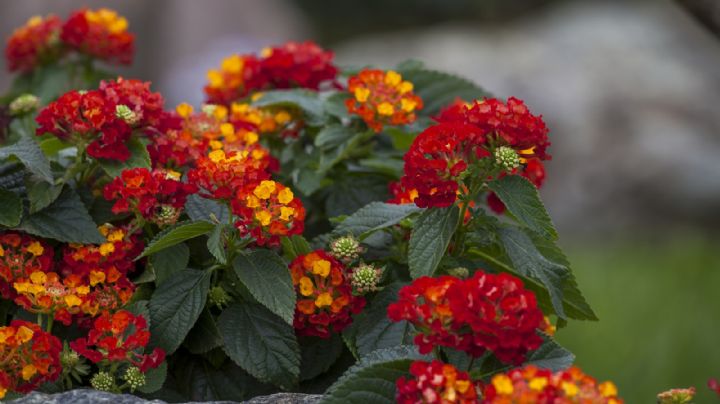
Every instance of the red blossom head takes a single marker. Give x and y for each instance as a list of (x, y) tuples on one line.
[(30, 357), (293, 64), (325, 301), (268, 211), (531, 384), (21, 255), (33, 44), (382, 98), (435, 382), (101, 34), (483, 313), (146, 106), (220, 175), (237, 76), (119, 338)]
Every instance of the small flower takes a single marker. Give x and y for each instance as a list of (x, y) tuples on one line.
[(30, 357), (293, 64), (34, 44), (346, 249), (382, 98), (507, 158), (714, 385), (676, 396), (21, 255), (435, 383), (24, 104), (99, 33), (134, 378), (103, 381), (237, 76), (365, 278), (218, 297)]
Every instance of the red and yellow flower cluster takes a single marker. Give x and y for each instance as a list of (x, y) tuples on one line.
[(119, 338), (382, 98), (435, 382), (486, 312), (101, 34), (268, 212), (441, 158), (95, 118), (29, 357), (158, 195), (21, 255), (300, 65), (325, 299), (531, 384)]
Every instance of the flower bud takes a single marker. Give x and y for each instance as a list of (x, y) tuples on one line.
[(507, 158), (365, 278), (219, 297), (209, 109), (24, 104), (134, 378), (166, 215), (459, 272), (103, 381), (346, 249), (126, 114), (676, 396)]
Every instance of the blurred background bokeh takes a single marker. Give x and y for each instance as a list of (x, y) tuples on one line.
[(629, 89)]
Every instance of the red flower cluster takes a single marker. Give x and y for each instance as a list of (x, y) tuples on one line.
[(94, 117), (540, 386), (21, 255), (435, 382), (30, 357), (270, 210), (293, 64), (382, 98), (119, 338), (99, 33), (303, 65), (220, 175), (33, 44), (400, 194), (325, 300), (157, 195), (438, 160), (483, 313)]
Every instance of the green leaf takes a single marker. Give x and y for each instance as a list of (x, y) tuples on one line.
[(169, 261), (430, 238), (11, 211), (204, 336), (335, 105), (307, 181), (373, 217), (333, 136), (28, 152), (154, 379), (306, 100), (353, 191), (374, 328), (216, 243), (261, 343), (176, 235), (199, 208), (521, 198), (51, 146), (200, 381), (139, 157), (372, 380), (318, 355), (401, 139), (268, 279), (345, 150), (176, 305), (140, 308), (549, 356), (294, 246), (528, 261), (66, 220), (41, 194), (438, 89)]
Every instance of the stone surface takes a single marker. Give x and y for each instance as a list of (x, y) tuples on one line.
[(92, 397)]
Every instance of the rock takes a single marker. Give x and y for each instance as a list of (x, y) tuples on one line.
[(86, 396)]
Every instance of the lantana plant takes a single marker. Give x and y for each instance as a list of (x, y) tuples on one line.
[(375, 235)]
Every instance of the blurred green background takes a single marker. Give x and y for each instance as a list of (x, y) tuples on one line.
[(629, 89)]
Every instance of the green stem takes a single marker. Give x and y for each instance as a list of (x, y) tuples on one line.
[(50, 322), (39, 320)]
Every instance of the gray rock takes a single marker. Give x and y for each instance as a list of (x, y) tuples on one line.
[(86, 396)]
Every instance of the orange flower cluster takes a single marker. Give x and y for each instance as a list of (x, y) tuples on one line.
[(263, 120), (269, 211), (29, 357), (301, 65), (99, 33), (382, 98), (21, 255), (325, 299), (220, 175), (34, 43), (435, 382), (46, 293), (531, 384)]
